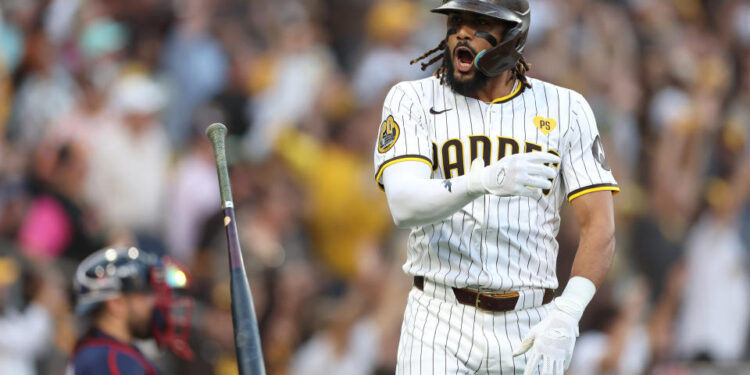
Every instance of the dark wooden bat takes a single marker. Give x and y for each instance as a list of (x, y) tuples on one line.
[(246, 337)]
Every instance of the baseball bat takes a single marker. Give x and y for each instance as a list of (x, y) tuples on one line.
[(246, 337)]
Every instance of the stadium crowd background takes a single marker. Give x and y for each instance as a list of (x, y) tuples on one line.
[(103, 104)]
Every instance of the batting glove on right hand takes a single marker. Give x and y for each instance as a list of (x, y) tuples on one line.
[(525, 174)]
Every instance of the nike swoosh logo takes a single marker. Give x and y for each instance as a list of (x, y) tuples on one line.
[(434, 112)]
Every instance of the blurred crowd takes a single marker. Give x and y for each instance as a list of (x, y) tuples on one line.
[(103, 108)]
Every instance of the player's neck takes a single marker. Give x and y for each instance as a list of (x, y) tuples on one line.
[(497, 87)]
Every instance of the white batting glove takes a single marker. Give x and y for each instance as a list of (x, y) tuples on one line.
[(551, 342), (519, 174)]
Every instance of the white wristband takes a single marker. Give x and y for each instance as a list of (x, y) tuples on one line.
[(576, 296)]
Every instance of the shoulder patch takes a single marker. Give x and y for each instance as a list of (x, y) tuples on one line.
[(597, 149), (389, 132)]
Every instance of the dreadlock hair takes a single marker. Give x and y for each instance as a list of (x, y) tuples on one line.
[(440, 73), (519, 71)]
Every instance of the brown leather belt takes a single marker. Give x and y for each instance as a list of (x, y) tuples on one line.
[(495, 302)]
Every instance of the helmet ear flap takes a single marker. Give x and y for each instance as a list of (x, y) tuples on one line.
[(479, 56), (503, 57)]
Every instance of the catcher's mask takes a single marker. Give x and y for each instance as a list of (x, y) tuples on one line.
[(504, 55), (113, 271)]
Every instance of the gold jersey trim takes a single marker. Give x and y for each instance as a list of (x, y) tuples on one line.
[(516, 90), (399, 159), (593, 188)]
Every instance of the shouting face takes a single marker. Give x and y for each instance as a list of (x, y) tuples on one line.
[(468, 35)]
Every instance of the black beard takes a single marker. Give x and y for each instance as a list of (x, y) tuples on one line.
[(465, 88), (141, 331)]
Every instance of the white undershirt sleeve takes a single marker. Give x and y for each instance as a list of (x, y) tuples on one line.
[(416, 199)]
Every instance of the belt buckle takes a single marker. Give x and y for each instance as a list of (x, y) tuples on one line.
[(476, 301), (493, 295)]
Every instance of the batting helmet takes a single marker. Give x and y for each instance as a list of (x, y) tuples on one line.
[(504, 55)]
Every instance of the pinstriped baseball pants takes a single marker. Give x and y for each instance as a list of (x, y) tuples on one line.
[(441, 336)]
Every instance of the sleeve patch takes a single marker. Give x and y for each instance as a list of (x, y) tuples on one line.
[(389, 132), (597, 149)]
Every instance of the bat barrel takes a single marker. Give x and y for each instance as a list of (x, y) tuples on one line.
[(246, 335)]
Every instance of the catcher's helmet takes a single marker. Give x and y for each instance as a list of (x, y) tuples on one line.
[(504, 55), (110, 272), (114, 271)]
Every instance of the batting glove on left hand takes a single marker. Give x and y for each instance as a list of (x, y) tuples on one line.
[(551, 342)]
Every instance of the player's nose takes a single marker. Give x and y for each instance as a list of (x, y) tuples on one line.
[(465, 31)]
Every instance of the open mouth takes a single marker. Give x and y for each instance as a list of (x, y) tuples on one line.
[(464, 57)]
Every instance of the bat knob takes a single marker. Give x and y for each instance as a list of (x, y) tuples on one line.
[(216, 130)]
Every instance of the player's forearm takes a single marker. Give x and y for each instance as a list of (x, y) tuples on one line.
[(416, 200), (595, 251), (421, 201), (596, 247)]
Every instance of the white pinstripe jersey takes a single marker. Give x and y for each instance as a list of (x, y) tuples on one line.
[(493, 243)]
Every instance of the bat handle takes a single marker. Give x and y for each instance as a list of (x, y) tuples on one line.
[(216, 134)]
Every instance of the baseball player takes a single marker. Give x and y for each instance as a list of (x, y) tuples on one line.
[(477, 161), (127, 294)]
